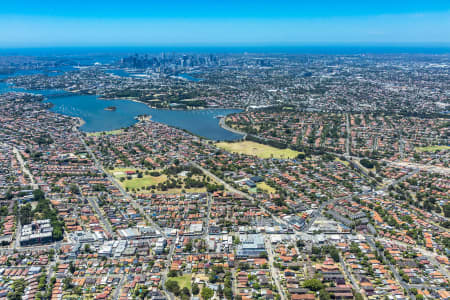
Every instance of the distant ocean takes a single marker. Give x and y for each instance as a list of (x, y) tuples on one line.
[(115, 52)]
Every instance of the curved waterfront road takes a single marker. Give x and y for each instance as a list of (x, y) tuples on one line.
[(226, 127)]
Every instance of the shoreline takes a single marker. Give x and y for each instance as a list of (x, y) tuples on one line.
[(226, 127), (77, 93), (164, 108), (80, 122)]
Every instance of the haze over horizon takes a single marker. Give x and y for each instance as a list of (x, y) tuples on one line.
[(51, 23)]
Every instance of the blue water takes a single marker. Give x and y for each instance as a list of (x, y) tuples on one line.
[(123, 73), (119, 72), (189, 77), (92, 111)]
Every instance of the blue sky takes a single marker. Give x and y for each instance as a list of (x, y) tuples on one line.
[(226, 22)]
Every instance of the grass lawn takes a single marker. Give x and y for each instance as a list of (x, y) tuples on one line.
[(183, 281), (432, 148), (135, 182), (264, 186), (342, 161), (104, 132), (256, 149), (147, 180)]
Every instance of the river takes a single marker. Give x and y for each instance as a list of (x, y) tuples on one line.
[(91, 109)]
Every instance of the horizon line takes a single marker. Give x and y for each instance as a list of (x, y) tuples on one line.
[(222, 45)]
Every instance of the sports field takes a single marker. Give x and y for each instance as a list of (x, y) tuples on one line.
[(432, 148), (146, 180), (183, 281), (264, 186), (256, 149), (140, 184)]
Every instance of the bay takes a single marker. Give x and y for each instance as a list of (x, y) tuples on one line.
[(91, 109), (189, 77), (204, 122)]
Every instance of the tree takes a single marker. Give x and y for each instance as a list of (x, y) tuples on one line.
[(195, 289), (67, 283), (38, 195), (18, 288), (78, 290), (188, 247), (358, 296), (173, 287), (301, 156), (74, 189), (447, 210), (4, 211), (26, 214), (212, 277), (185, 291), (333, 252), (313, 284), (72, 268), (324, 295), (367, 163), (228, 292), (207, 293), (38, 296), (57, 234)]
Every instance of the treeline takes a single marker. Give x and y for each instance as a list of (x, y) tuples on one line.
[(273, 143), (190, 102), (305, 151), (43, 139), (369, 164), (174, 170)]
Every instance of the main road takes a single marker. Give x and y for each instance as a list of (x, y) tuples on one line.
[(107, 225), (274, 271), (226, 127), (167, 268), (347, 139)]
